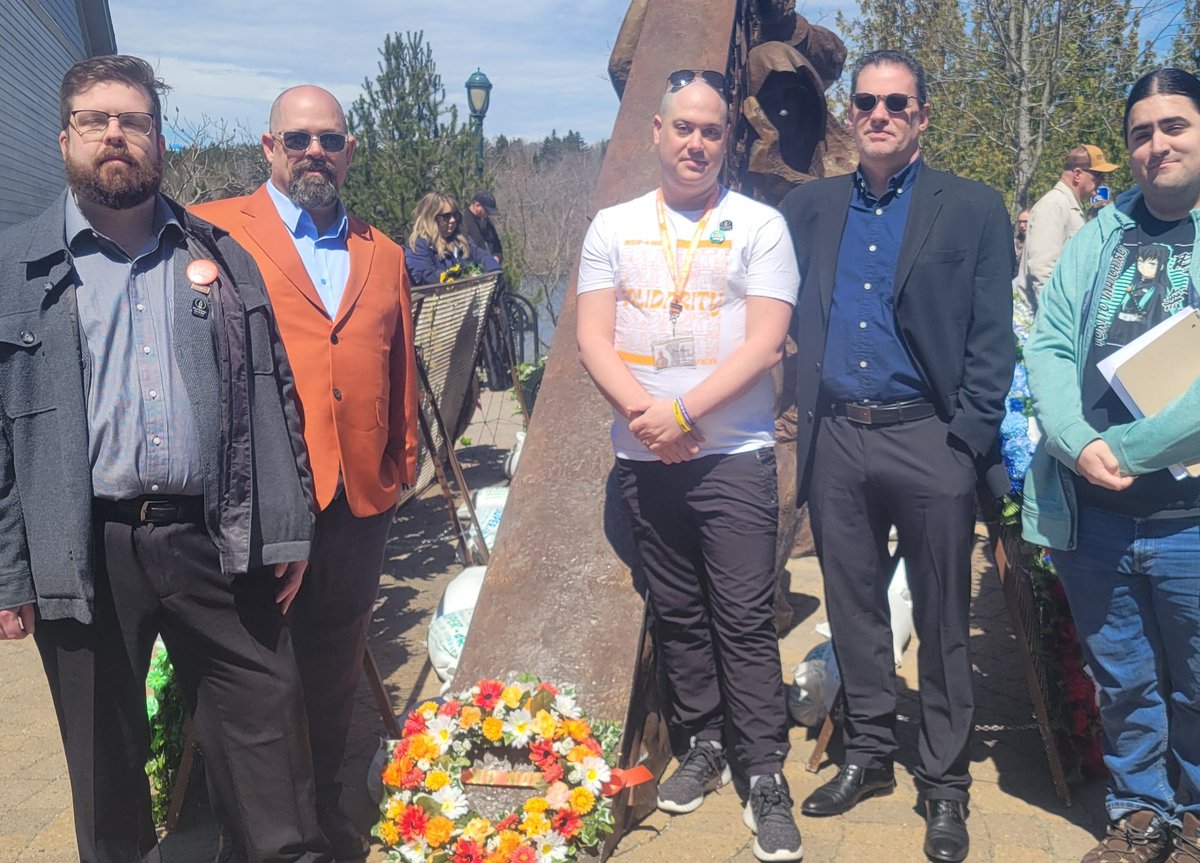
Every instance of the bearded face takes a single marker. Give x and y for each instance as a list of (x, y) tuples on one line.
[(115, 177), (312, 185)]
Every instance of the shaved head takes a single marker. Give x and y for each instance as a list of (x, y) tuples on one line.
[(303, 98), (669, 98)]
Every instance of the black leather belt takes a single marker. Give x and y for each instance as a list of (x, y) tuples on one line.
[(884, 415), (164, 509)]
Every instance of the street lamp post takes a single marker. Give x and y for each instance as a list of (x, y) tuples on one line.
[(479, 94)]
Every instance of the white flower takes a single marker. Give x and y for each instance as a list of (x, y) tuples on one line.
[(519, 724), (413, 853), (564, 746), (441, 729), (550, 846), (591, 773), (565, 704), (451, 801)]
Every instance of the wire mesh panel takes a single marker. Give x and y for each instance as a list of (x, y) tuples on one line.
[(448, 323)]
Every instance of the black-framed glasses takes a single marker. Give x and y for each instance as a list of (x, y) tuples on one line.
[(446, 217), (298, 140), (895, 103), (679, 80), (92, 124)]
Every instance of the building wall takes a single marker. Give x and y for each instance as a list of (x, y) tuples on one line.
[(39, 40)]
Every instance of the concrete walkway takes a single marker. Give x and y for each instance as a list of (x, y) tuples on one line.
[(1015, 816)]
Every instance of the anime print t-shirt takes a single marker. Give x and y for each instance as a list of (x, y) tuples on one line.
[(1146, 283)]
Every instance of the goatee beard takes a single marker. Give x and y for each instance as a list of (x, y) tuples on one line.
[(117, 187), (312, 191)]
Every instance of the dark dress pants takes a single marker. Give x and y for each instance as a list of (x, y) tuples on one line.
[(914, 476), (329, 625), (233, 655), (704, 532)]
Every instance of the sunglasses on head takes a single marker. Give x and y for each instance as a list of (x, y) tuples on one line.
[(446, 217), (331, 142), (679, 80), (894, 102)]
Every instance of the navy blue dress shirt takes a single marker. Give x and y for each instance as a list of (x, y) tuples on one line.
[(865, 357)]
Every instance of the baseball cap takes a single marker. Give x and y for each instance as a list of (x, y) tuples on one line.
[(1098, 162), (488, 200)]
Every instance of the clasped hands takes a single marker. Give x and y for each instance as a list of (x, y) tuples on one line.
[(655, 426)]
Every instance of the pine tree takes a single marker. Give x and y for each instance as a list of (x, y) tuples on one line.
[(409, 141)]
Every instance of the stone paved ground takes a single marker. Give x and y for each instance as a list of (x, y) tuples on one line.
[(1015, 816)]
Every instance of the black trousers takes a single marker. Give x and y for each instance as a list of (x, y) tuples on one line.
[(914, 476), (704, 532), (329, 625), (233, 654)]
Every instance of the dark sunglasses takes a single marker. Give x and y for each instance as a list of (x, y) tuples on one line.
[(679, 80), (894, 102), (331, 142), (446, 217)]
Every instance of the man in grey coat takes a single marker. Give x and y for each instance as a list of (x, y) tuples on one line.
[(153, 480)]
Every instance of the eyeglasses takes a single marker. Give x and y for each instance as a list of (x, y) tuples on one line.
[(679, 80), (455, 216), (92, 124), (331, 142), (894, 102)]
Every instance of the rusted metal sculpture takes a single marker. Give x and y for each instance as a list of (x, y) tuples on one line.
[(561, 599)]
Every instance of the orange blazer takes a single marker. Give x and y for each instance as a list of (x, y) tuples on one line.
[(355, 374)]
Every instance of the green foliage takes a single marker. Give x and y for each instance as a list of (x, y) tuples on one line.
[(1185, 48), (1014, 84), (409, 140), (167, 713)]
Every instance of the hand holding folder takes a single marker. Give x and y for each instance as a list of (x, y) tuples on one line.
[(1157, 367)]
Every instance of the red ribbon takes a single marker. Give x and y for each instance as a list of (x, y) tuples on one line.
[(622, 779)]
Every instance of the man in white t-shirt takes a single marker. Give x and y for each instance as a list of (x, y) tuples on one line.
[(685, 296)]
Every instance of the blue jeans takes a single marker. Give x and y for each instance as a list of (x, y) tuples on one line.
[(1134, 588)]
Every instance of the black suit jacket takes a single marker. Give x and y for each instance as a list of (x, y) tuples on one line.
[(953, 300)]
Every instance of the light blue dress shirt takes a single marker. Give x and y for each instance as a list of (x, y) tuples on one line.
[(325, 255)]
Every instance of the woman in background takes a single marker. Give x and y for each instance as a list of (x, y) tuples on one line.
[(437, 244)]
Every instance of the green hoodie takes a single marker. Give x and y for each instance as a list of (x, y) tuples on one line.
[(1055, 356)]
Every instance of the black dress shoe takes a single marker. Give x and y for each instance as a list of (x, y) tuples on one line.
[(946, 839), (852, 783), (346, 840)]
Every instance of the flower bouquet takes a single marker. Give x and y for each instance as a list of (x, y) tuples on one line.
[(425, 813)]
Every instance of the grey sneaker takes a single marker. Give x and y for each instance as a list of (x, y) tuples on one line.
[(702, 769), (768, 813)]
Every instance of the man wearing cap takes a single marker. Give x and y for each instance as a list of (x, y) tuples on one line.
[(1058, 214), (339, 289), (153, 480), (685, 295), (477, 222)]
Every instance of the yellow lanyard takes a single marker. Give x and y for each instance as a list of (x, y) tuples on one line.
[(680, 275)]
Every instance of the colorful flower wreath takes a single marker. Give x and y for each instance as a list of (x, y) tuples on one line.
[(425, 816)]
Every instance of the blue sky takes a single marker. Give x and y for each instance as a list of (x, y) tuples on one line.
[(547, 59)]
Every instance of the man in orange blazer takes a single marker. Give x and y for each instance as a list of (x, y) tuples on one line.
[(341, 297)]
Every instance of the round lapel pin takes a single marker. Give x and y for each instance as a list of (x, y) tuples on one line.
[(202, 273)]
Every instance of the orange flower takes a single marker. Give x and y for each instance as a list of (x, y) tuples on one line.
[(422, 748), (581, 800), (439, 830), (389, 833), (576, 755), (523, 854), (393, 774), (578, 729), (470, 717), (509, 840), (493, 728)]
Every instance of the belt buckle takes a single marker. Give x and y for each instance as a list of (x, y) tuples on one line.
[(860, 414), (144, 511)]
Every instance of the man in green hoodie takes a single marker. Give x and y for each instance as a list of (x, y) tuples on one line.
[(1125, 532)]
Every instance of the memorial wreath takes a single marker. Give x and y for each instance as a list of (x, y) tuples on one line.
[(425, 814)]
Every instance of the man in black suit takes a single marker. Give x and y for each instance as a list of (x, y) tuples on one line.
[(905, 358)]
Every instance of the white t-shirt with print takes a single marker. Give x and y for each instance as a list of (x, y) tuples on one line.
[(745, 251)]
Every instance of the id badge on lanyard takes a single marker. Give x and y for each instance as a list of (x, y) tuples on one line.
[(676, 350)]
